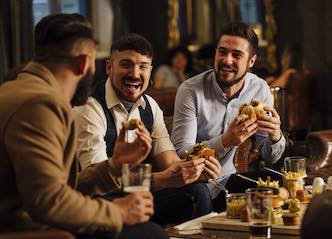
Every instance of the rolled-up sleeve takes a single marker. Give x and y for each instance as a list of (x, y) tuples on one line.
[(184, 131), (270, 151), (91, 129), (160, 138)]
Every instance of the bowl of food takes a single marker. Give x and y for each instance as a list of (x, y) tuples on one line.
[(294, 181), (269, 184), (290, 219), (235, 202)]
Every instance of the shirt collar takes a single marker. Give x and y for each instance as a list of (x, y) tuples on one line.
[(113, 100), (247, 80), (216, 86), (47, 76)]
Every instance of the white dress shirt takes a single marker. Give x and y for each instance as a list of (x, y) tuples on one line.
[(92, 126)]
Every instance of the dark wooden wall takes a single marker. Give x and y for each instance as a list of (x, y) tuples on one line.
[(150, 19)]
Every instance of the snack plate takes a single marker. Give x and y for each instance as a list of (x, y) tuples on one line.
[(221, 222), (304, 202)]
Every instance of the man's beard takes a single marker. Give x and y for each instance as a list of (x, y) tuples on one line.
[(83, 91), (228, 83)]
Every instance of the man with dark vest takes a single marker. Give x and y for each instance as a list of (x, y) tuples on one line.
[(122, 98)]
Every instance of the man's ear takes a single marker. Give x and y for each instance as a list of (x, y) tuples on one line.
[(252, 61), (108, 66), (82, 64)]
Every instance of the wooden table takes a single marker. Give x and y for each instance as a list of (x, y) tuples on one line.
[(222, 234), (220, 227)]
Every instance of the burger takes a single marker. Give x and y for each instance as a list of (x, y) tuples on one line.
[(130, 124), (200, 151), (255, 108), (278, 201)]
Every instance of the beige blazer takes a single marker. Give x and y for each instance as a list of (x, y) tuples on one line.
[(40, 186)]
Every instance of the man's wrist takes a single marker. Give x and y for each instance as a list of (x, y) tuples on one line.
[(224, 146), (158, 181), (115, 168), (278, 139)]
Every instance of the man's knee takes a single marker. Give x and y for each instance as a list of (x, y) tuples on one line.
[(200, 195), (199, 191)]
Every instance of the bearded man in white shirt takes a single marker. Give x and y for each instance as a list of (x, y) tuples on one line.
[(207, 109)]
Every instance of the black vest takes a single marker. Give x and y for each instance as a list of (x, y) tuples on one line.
[(111, 134)]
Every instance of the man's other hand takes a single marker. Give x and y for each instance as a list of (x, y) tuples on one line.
[(212, 170), (239, 130), (183, 172), (136, 207), (134, 152)]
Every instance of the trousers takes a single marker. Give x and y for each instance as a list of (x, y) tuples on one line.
[(147, 230), (176, 205)]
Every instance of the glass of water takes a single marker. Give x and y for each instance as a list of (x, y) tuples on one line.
[(295, 164)]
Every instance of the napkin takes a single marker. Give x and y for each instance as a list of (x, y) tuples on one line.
[(193, 226)]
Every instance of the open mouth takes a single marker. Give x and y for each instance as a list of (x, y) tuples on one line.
[(227, 69), (134, 85)]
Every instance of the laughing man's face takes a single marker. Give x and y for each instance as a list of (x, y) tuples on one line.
[(129, 72), (232, 60)]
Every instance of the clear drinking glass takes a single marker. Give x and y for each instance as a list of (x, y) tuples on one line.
[(259, 207), (136, 177), (295, 172), (234, 204), (295, 164)]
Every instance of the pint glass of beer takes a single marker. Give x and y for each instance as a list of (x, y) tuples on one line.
[(259, 207), (136, 177)]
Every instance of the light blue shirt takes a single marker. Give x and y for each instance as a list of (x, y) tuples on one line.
[(202, 113)]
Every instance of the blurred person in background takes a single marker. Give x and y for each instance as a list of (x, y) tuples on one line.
[(297, 80), (178, 68), (292, 61)]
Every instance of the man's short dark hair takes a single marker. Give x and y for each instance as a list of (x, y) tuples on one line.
[(55, 34), (133, 41), (242, 30)]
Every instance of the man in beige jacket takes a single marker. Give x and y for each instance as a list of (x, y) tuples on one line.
[(40, 184)]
